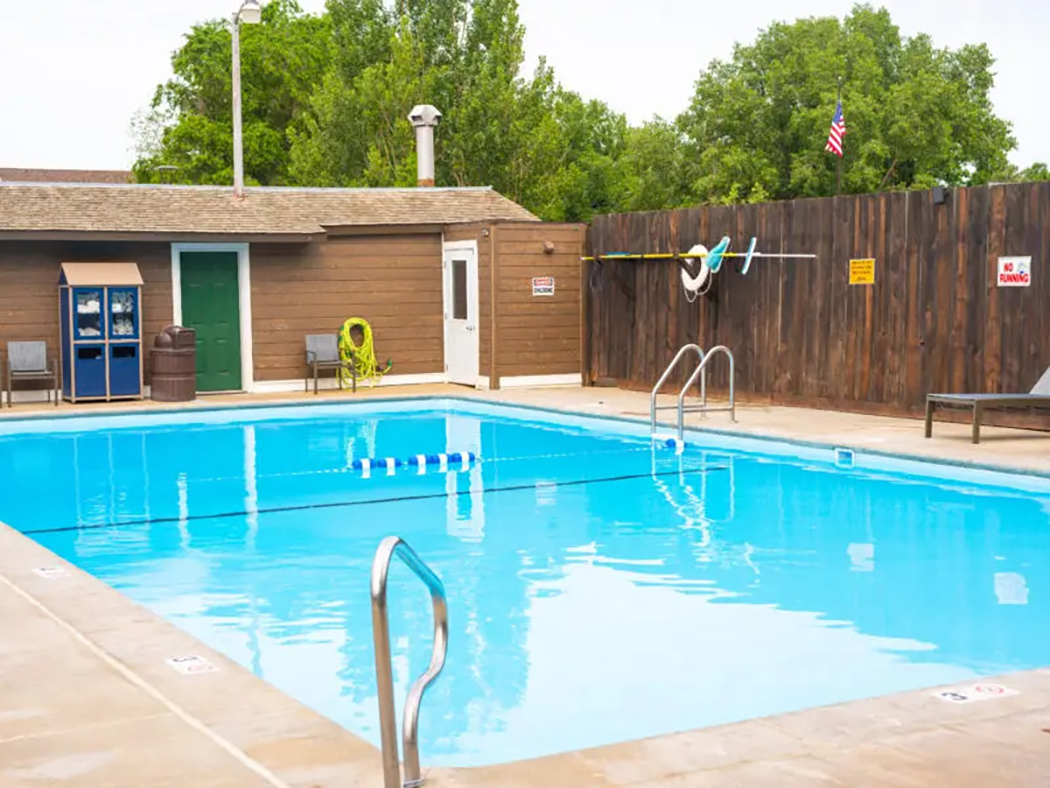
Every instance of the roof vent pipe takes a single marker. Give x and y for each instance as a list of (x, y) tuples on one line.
[(425, 118)]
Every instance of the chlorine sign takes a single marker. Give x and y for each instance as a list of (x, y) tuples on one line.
[(1015, 271)]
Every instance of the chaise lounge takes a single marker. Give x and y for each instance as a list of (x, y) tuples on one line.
[(1037, 398)]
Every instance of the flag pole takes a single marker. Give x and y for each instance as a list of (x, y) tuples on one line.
[(838, 177)]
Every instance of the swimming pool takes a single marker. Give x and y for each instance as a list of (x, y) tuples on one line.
[(599, 590)]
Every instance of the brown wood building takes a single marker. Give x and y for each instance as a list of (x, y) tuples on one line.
[(459, 285)]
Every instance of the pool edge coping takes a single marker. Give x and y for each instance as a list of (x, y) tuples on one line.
[(136, 641)]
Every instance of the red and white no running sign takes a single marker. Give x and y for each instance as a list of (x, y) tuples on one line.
[(1015, 271)]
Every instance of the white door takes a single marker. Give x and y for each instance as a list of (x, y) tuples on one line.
[(461, 314)]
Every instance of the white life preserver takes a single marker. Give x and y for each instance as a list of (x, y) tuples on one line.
[(696, 285)]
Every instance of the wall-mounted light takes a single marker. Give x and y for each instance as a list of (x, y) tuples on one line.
[(940, 195)]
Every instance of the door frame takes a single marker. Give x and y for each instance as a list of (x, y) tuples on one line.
[(244, 298), (446, 296)]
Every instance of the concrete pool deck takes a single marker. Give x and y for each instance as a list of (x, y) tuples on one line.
[(87, 697)]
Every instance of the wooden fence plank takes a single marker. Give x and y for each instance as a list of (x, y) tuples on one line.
[(1012, 299), (992, 328), (976, 233), (896, 281)]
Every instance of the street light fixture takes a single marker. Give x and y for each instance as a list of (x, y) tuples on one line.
[(248, 14)]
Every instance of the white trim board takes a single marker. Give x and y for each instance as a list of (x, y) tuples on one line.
[(330, 383), (244, 296), (457, 246), (540, 381), (40, 395)]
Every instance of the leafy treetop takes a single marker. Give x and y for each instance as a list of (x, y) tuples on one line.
[(325, 99)]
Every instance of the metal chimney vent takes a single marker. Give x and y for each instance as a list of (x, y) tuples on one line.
[(425, 118)]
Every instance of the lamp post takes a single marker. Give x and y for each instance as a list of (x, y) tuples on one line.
[(249, 14)]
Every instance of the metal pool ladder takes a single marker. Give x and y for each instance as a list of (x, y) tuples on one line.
[(700, 373), (388, 548)]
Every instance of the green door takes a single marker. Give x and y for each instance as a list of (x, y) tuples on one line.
[(210, 306)]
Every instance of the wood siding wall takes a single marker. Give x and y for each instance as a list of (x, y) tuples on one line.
[(934, 321), (538, 335), (392, 281), (29, 287)]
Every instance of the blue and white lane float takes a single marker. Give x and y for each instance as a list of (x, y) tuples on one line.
[(421, 462), (441, 463)]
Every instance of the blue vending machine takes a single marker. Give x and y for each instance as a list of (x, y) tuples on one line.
[(100, 306)]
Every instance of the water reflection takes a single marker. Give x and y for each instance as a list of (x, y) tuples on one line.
[(1011, 588)]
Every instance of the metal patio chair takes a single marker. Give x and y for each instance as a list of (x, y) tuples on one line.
[(29, 361), (322, 352)]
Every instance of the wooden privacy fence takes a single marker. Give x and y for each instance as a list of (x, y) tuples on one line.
[(935, 318)]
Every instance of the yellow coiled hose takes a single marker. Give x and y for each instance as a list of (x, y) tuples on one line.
[(363, 355)]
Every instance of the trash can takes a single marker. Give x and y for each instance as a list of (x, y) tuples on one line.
[(174, 365)]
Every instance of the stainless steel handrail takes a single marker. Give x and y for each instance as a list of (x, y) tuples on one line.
[(388, 548), (701, 372), (663, 379)]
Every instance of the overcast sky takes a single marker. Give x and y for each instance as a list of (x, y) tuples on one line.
[(74, 72)]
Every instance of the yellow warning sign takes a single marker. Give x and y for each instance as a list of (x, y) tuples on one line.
[(862, 272)]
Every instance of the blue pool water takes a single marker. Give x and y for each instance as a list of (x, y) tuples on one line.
[(598, 590)]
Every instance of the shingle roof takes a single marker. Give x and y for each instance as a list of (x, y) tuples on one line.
[(214, 210), (31, 175)]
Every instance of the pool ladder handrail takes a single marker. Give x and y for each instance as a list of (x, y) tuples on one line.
[(700, 373), (663, 379), (388, 548)]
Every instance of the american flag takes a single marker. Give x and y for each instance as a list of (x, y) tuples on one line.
[(838, 131)]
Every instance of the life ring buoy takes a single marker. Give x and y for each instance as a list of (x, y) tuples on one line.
[(695, 285), (710, 262)]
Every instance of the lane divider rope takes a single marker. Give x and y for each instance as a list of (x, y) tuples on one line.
[(544, 485)]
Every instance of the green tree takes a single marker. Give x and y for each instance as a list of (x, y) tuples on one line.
[(326, 99), (1035, 172), (189, 126), (653, 167), (916, 115), (527, 137)]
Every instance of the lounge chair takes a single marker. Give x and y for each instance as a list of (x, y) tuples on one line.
[(322, 352), (1037, 398), (29, 361)]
